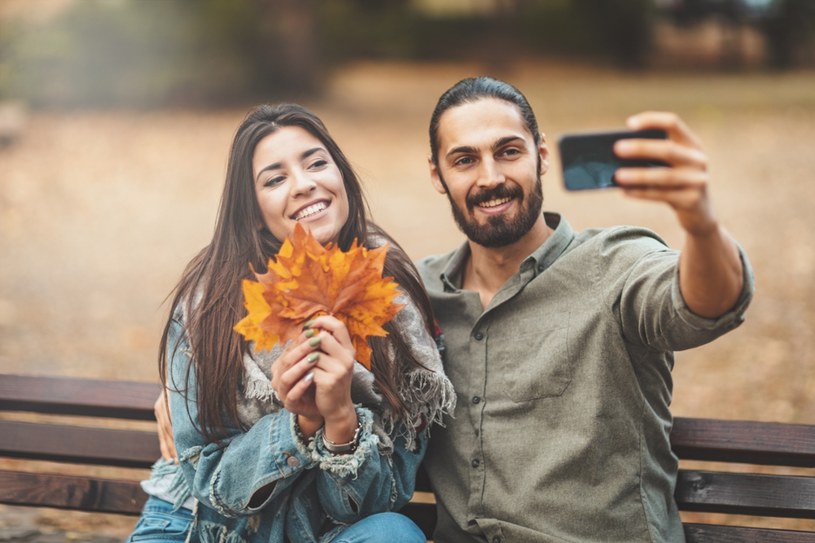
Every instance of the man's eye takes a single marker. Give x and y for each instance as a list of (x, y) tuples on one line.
[(463, 161), (510, 152)]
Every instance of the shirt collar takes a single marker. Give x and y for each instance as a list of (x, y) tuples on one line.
[(543, 257)]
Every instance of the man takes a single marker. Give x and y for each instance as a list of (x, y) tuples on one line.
[(560, 344)]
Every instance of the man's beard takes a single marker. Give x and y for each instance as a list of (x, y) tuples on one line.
[(499, 231)]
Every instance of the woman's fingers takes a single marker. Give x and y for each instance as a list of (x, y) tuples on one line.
[(333, 326)]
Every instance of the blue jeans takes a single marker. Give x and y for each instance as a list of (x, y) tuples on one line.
[(159, 522), (390, 527)]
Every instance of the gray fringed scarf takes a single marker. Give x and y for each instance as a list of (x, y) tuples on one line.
[(426, 392)]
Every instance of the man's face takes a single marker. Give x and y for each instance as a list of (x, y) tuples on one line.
[(490, 168)]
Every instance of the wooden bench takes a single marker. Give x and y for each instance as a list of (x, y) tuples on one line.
[(728, 443)]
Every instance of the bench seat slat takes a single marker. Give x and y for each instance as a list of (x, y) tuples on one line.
[(71, 492), (749, 442), (746, 494), (78, 444), (714, 533), (73, 396)]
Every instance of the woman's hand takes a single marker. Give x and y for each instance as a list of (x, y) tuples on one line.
[(313, 379)]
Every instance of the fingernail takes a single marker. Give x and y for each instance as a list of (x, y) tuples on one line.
[(313, 342), (623, 146), (308, 324), (312, 358), (310, 332), (309, 377)]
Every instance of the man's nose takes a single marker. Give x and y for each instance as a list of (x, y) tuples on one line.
[(490, 173)]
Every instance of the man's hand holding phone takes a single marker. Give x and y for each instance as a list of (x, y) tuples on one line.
[(658, 159), (682, 183)]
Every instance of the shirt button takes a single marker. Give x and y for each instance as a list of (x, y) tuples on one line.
[(496, 539), (540, 269), (478, 336), (476, 400), (475, 463), (292, 461)]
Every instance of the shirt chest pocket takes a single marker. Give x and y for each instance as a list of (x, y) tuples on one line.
[(535, 365)]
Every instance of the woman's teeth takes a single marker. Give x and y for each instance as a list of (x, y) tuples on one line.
[(310, 210)]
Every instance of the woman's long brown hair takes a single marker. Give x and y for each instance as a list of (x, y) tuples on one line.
[(210, 284)]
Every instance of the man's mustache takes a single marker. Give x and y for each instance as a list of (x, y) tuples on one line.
[(500, 191)]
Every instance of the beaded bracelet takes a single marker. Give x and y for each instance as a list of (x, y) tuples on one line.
[(343, 448)]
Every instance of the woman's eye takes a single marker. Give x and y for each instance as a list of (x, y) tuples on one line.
[(319, 163), (272, 181)]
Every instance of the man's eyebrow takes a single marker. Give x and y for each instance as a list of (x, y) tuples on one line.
[(277, 165), (470, 149), (460, 149), (505, 140)]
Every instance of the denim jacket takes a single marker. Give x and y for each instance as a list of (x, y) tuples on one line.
[(268, 483)]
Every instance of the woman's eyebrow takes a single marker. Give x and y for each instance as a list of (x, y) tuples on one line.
[(277, 165), (310, 152)]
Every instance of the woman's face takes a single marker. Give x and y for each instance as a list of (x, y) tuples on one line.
[(296, 180)]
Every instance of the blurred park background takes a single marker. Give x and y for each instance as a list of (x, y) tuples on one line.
[(116, 117)]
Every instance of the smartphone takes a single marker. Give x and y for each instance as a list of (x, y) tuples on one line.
[(588, 159)]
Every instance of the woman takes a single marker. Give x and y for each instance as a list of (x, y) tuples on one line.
[(298, 443)]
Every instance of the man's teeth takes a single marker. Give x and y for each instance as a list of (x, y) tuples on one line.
[(310, 210), (495, 202)]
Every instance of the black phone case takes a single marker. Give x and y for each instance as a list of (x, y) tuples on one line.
[(588, 160)]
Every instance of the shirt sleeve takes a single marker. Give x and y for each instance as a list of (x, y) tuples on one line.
[(649, 301)]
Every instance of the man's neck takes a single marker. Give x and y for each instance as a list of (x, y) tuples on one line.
[(488, 268)]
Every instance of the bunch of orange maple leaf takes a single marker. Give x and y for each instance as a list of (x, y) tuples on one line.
[(306, 280)]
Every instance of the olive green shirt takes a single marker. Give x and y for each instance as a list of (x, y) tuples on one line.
[(561, 429)]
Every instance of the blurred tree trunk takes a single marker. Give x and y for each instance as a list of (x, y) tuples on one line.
[(288, 45), (622, 27), (789, 30)]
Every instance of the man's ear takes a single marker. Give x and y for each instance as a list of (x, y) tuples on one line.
[(435, 178), (543, 152)]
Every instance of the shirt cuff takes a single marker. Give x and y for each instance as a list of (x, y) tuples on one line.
[(730, 320)]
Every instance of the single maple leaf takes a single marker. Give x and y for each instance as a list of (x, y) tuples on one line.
[(306, 279)]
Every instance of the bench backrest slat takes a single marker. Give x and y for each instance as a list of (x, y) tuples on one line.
[(78, 444), (746, 494), (73, 396), (749, 442), (713, 533), (71, 492)]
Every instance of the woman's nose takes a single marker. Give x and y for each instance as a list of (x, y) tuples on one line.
[(303, 183)]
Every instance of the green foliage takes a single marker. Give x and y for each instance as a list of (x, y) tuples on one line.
[(146, 53), (142, 53)]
